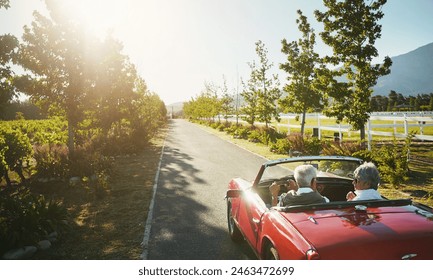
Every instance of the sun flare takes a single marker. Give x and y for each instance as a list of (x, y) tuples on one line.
[(98, 16)]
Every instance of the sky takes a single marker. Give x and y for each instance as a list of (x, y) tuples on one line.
[(179, 45)]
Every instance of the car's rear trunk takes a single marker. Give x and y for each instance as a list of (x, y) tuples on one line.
[(377, 233)]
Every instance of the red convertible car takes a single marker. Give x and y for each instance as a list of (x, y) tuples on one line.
[(338, 230)]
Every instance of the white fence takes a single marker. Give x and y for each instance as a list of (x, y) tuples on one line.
[(405, 120)]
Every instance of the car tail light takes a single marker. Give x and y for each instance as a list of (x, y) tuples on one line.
[(312, 255)]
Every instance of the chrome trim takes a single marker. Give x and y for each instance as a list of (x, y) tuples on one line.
[(409, 256), (312, 220)]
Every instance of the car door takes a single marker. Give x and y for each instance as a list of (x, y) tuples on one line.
[(251, 210)]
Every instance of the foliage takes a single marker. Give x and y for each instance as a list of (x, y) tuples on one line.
[(393, 162), (342, 148), (351, 29), (25, 219), (226, 101), (205, 106), (301, 66), (262, 92), (8, 48), (281, 146), (94, 88), (15, 151), (52, 161)]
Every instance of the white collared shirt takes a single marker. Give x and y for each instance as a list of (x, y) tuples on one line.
[(367, 194)]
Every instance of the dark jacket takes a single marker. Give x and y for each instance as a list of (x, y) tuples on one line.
[(292, 198)]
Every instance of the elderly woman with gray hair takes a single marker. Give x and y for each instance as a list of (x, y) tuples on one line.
[(366, 181)]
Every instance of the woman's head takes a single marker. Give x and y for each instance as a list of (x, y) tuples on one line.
[(367, 176)]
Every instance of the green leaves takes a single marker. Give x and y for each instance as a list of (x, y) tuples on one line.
[(351, 29), (301, 67), (261, 91)]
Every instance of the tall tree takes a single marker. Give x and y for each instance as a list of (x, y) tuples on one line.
[(8, 48), (351, 29), (262, 92), (58, 54), (301, 67), (115, 80)]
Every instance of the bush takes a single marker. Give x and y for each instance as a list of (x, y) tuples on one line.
[(341, 148), (392, 162), (241, 132), (296, 142), (281, 146), (25, 219), (255, 136), (52, 160), (15, 150), (305, 145), (312, 146)]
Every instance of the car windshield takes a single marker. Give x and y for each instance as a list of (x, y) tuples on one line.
[(325, 168)]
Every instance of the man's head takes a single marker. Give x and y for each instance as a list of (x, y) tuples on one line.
[(305, 175)]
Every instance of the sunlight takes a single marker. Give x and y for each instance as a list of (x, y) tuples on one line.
[(99, 16)]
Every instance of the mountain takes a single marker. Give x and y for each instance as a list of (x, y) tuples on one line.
[(411, 73)]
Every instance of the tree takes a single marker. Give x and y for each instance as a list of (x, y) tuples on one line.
[(262, 92), (301, 67), (351, 29), (61, 67), (8, 48), (430, 106), (226, 101), (113, 90)]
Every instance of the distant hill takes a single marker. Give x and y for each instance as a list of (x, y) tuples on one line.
[(411, 73)]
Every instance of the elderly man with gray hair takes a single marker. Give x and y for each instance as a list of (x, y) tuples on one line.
[(366, 181), (301, 192)]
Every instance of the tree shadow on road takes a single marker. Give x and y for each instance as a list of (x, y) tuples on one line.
[(183, 226)]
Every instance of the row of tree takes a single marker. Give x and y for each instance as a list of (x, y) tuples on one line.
[(397, 101), (340, 85), (87, 80)]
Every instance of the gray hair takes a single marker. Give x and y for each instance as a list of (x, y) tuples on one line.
[(304, 175), (368, 172)]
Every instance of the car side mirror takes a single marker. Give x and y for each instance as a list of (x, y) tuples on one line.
[(234, 193)]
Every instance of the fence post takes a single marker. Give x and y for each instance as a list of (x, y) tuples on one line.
[(318, 125), (405, 124), (369, 134), (288, 125)]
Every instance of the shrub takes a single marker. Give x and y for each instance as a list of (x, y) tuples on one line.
[(341, 148), (51, 160), (392, 162), (241, 132), (312, 146), (296, 142), (25, 219), (281, 146), (255, 136), (16, 150)]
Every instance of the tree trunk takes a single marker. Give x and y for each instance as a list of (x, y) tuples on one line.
[(303, 123), (362, 136), (71, 138)]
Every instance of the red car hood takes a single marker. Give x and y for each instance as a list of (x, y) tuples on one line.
[(377, 233)]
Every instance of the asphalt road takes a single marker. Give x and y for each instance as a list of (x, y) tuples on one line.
[(189, 215)]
